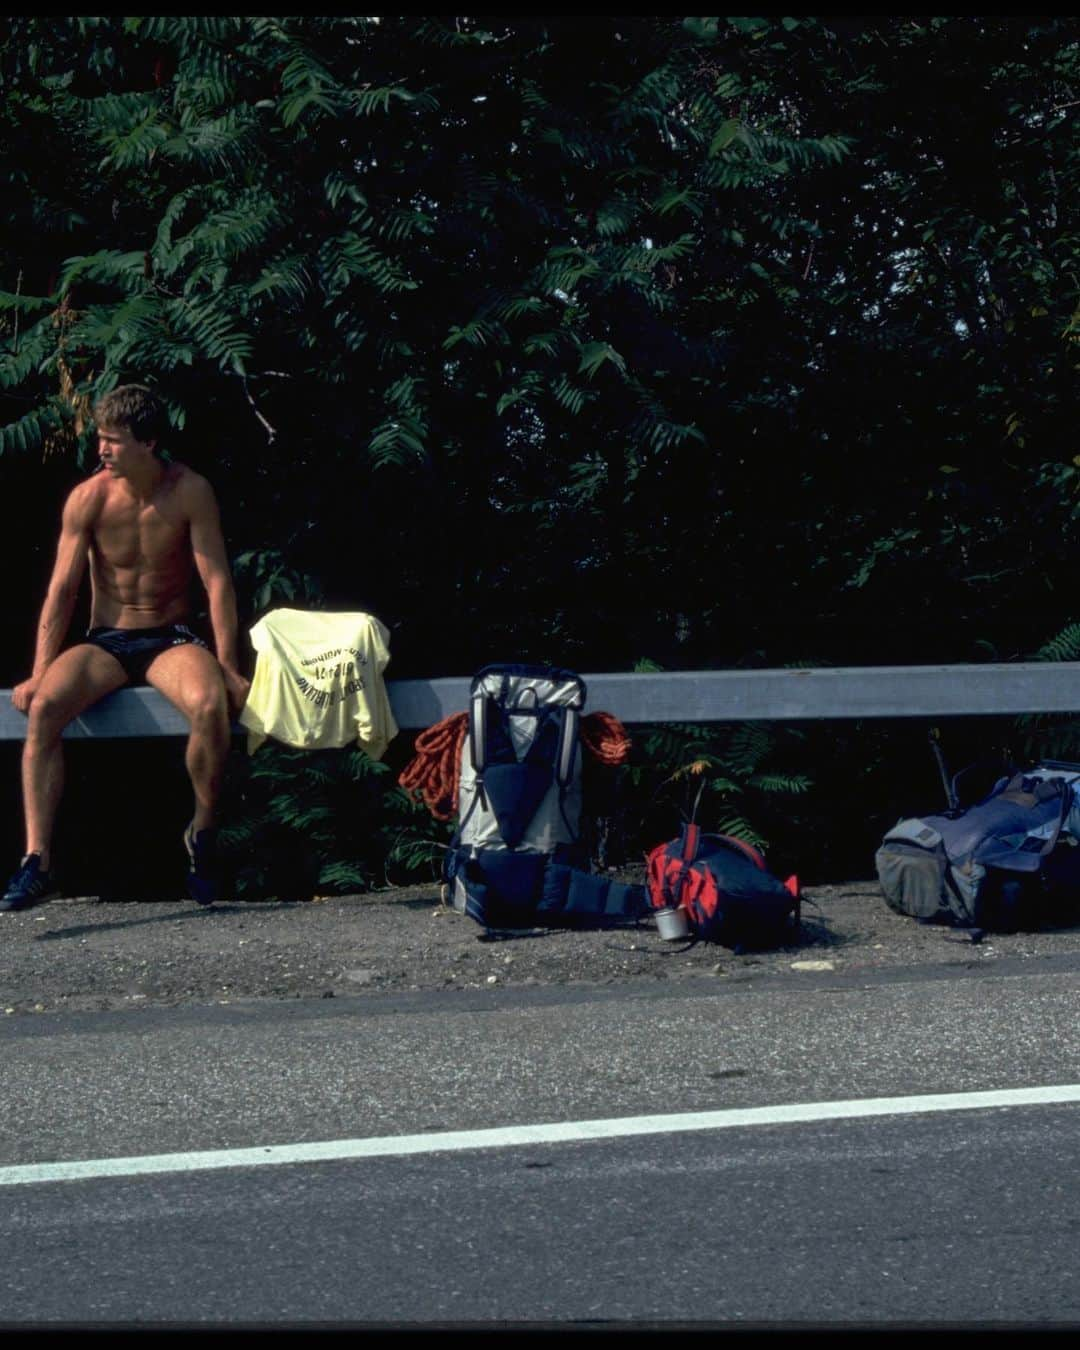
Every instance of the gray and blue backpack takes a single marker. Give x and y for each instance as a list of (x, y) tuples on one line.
[(976, 866)]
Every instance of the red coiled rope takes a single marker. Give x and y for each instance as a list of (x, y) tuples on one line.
[(433, 774), (605, 738)]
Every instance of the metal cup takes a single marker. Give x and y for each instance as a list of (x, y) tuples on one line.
[(671, 923)]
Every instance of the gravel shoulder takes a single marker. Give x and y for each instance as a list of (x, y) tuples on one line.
[(88, 954)]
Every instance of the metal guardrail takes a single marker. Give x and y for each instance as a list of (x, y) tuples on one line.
[(680, 696)]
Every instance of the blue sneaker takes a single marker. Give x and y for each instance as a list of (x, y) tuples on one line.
[(29, 886), (204, 878)]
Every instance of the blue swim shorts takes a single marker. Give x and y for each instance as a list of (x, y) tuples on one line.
[(135, 648)]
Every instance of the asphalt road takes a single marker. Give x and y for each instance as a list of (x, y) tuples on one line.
[(964, 1217), (848, 1224)]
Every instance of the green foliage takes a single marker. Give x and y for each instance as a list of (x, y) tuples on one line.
[(1063, 646), (302, 823), (1052, 735), (29, 431), (578, 336), (265, 580), (722, 775)]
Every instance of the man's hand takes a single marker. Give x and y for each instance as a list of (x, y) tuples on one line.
[(236, 688), (23, 694)]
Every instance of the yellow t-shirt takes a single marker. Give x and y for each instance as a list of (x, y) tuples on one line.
[(318, 682)]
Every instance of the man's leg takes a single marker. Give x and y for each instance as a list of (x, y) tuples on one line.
[(76, 679), (190, 678)]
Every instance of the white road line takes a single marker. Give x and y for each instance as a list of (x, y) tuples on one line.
[(514, 1136)]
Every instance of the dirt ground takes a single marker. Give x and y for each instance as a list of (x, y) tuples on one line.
[(84, 953)]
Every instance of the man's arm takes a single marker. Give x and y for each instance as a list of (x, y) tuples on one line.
[(67, 574), (208, 548)]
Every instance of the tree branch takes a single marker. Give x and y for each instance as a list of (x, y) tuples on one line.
[(271, 434), (18, 291)]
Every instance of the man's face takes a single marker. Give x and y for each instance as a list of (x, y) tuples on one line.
[(120, 452)]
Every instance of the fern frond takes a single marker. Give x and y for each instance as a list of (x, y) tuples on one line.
[(138, 137), (516, 306), (360, 767), (216, 143), (738, 827), (364, 102), (402, 394), (99, 326), (563, 269), (302, 815), (570, 396), (657, 431), (344, 877), (188, 32), (415, 853), (306, 83), (655, 96), (165, 255), (110, 267), (749, 744), (478, 332), (26, 304), (675, 199), (404, 222), (286, 277), (349, 255), (548, 343), (338, 185), (1063, 646), (398, 440), (293, 108), (588, 480), (780, 782), (238, 229), (678, 248), (35, 347), (525, 391), (615, 217), (211, 325), (596, 354), (30, 431)]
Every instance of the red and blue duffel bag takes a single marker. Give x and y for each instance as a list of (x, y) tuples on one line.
[(724, 887)]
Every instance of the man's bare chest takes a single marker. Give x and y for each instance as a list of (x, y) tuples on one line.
[(135, 535)]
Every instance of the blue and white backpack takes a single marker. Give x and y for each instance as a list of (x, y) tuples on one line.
[(516, 856)]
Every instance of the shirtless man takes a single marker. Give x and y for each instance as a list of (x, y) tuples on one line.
[(144, 525)]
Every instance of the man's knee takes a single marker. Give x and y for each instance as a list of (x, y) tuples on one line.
[(47, 717), (208, 708)]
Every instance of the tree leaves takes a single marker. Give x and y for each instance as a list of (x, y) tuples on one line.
[(726, 135), (595, 354), (579, 276), (29, 432)]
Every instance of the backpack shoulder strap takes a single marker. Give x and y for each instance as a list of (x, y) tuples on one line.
[(569, 731), (478, 730), (685, 851), (1063, 814), (741, 846), (689, 843)]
